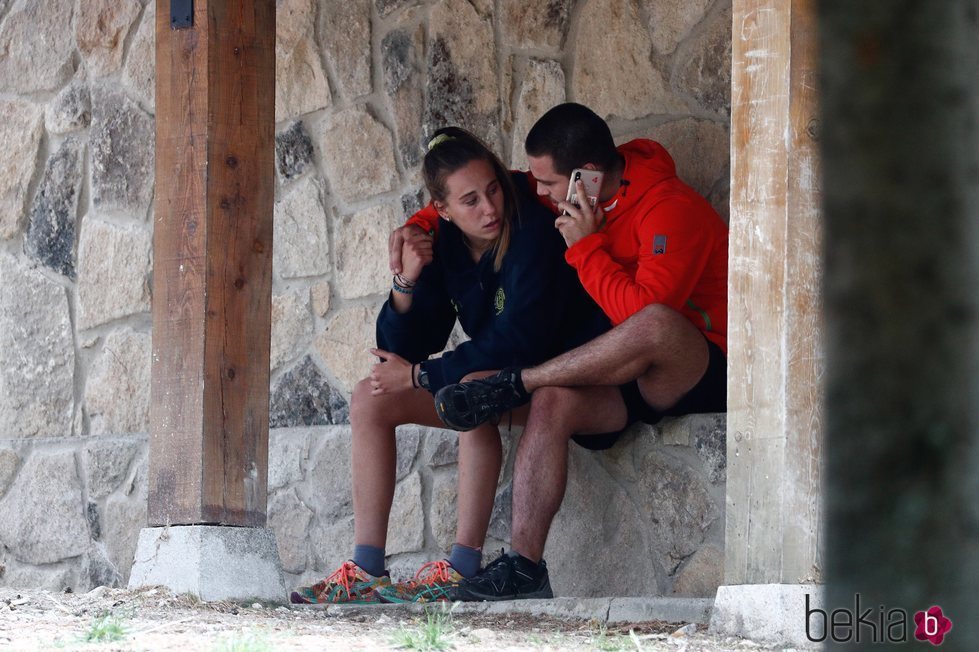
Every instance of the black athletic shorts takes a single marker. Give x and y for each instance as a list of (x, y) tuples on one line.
[(708, 395)]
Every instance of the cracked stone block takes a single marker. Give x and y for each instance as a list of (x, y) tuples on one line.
[(289, 518), (123, 519), (43, 514), (408, 440), (122, 154), (292, 326), (293, 151), (700, 148), (304, 397), (402, 61), (21, 126), (541, 89), (117, 394), (705, 70), (536, 24), (328, 492), (407, 530), (50, 238), (387, 7), (107, 465), (70, 110), (114, 265), (300, 82), (349, 49), (463, 85), (702, 573), (288, 457), (35, 49), (139, 72), (37, 355), (670, 21), (345, 343), (358, 155), (9, 460), (101, 27), (299, 232), (614, 74), (361, 243)]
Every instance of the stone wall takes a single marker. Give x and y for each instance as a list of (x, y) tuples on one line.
[(360, 85)]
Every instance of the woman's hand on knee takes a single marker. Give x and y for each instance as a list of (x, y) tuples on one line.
[(392, 374)]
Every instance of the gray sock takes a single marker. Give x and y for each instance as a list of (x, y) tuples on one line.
[(370, 558), (465, 560)]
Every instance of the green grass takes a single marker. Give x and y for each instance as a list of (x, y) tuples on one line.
[(433, 634), (245, 642), (106, 627), (606, 642)]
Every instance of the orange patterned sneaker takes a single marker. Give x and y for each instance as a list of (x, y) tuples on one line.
[(349, 584), (433, 582)]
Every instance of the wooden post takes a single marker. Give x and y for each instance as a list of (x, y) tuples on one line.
[(774, 476), (212, 264)]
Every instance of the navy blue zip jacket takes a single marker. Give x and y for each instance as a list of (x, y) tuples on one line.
[(531, 310)]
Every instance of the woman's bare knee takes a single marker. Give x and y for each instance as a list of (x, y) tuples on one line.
[(368, 409)]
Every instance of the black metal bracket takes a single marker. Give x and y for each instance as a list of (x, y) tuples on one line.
[(181, 14)]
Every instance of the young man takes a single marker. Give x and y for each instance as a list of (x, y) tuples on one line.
[(653, 255)]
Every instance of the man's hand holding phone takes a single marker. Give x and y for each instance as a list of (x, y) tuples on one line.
[(580, 219)]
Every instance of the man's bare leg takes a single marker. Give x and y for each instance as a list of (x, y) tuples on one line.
[(657, 345), (541, 468)]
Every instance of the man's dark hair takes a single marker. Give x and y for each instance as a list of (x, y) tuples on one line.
[(572, 135)]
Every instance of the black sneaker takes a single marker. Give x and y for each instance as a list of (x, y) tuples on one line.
[(508, 577), (463, 406)]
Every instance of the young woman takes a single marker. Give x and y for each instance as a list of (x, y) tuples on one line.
[(498, 267)]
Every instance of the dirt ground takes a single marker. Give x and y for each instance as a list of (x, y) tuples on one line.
[(154, 619)]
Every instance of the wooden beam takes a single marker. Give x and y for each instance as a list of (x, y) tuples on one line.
[(775, 360), (212, 264)]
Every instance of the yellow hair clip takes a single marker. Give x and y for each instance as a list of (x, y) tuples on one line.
[(438, 140)]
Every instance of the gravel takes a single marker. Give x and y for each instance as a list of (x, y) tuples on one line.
[(155, 619)]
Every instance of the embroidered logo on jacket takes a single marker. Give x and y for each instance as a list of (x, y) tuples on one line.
[(659, 244), (499, 300)]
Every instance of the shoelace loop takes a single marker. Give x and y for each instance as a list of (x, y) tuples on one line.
[(431, 572), (348, 571)]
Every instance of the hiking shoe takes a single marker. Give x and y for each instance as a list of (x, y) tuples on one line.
[(463, 406), (509, 577), (432, 583), (349, 584)]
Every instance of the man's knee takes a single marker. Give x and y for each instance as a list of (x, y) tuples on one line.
[(556, 406)]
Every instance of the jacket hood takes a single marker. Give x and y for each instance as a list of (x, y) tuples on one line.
[(647, 163)]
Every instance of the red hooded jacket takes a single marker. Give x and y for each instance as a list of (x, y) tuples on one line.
[(661, 243)]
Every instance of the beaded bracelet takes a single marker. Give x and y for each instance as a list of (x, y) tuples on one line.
[(398, 288)]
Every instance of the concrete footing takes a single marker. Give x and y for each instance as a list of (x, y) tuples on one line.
[(768, 613), (211, 562)]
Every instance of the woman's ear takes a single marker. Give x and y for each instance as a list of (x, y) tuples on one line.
[(440, 207)]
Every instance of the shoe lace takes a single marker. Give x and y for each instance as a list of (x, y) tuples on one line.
[(344, 576), (498, 567), (432, 572)]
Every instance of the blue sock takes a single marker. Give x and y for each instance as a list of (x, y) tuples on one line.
[(370, 558), (465, 560)]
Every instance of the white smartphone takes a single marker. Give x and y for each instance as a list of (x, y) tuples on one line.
[(593, 185)]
